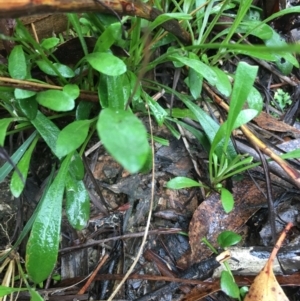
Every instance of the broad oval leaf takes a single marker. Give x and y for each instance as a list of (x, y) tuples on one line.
[(106, 63), (21, 93), (125, 138), (17, 66), (72, 136), (182, 182), (43, 242), (50, 42), (72, 90), (63, 70), (228, 238), (56, 100), (77, 203)]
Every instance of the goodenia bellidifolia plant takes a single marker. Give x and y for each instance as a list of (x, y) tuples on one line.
[(116, 80)]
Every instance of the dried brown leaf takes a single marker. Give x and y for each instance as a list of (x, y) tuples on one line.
[(265, 286)]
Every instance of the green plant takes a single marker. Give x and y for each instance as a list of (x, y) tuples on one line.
[(118, 86), (228, 284), (281, 99)]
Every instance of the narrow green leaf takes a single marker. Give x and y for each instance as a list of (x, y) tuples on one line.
[(125, 138), (243, 83), (17, 184), (76, 168), (227, 200), (229, 286), (4, 123), (43, 242), (47, 129), (182, 182), (7, 167), (72, 136), (228, 238), (17, 66), (159, 113), (169, 16), (35, 296), (195, 83), (77, 203), (217, 79), (106, 63), (5, 290)]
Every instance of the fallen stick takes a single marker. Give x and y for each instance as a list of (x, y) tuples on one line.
[(20, 8)]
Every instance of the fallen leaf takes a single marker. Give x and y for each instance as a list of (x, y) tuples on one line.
[(265, 286), (270, 123)]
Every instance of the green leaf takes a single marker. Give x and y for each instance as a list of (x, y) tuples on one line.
[(125, 138), (106, 63), (35, 296), (114, 91), (17, 66), (56, 100), (243, 83), (169, 16), (284, 61), (28, 106), (195, 83), (5, 290), (255, 100), (227, 200), (72, 136), (4, 123), (21, 93), (47, 129), (244, 116), (159, 112), (77, 203), (229, 286), (71, 90), (17, 184), (7, 167), (228, 238), (217, 79), (83, 110), (76, 168), (112, 33), (49, 69), (50, 43), (182, 182), (43, 242)]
